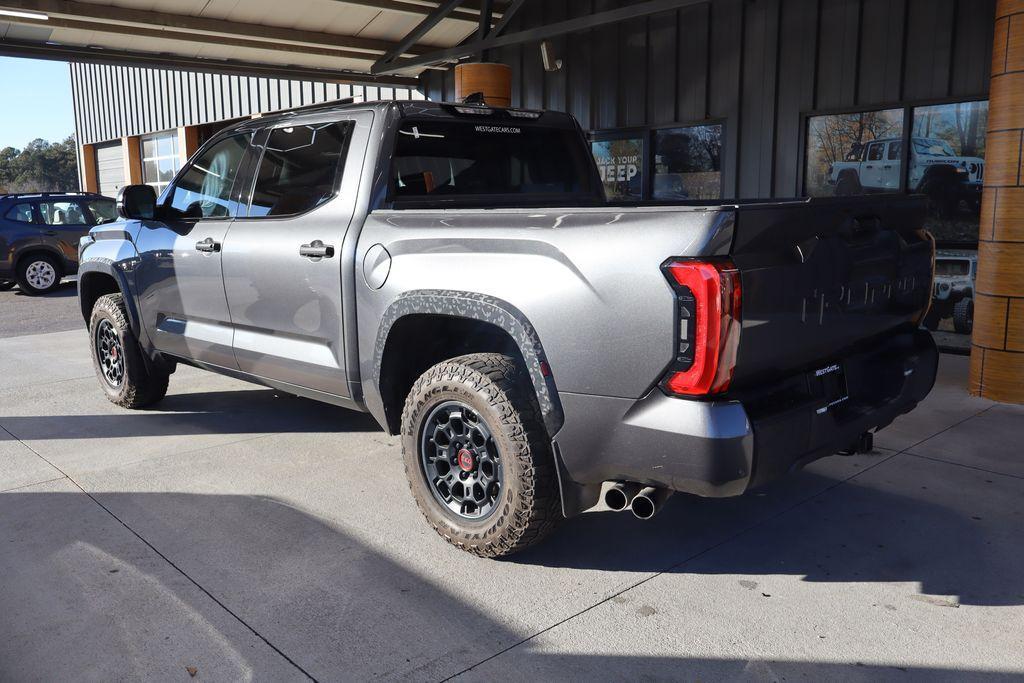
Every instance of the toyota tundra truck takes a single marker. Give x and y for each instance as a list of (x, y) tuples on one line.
[(455, 271)]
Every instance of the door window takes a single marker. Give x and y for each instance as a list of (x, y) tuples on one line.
[(103, 210), (62, 213), (299, 168), (22, 213), (875, 152), (204, 190)]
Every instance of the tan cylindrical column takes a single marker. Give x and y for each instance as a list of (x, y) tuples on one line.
[(493, 80), (997, 353)]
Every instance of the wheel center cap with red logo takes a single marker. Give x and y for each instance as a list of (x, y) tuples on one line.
[(466, 460)]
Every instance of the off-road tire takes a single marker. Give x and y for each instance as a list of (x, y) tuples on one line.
[(498, 389), (23, 277), (140, 386), (847, 185), (963, 315)]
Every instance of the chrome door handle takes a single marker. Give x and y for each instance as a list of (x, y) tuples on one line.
[(208, 245), (316, 249)]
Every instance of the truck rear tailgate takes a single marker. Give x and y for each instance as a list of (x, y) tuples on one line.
[(824, 278)]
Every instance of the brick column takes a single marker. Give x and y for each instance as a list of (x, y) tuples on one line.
[(997, 353)]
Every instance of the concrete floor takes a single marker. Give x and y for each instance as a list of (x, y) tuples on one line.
[(244, 535)]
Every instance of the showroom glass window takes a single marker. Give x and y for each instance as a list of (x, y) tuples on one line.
[(204, 190), (947, 165), (160, 159), (299, 168), (853, 153), (620, 162), (688, 163)]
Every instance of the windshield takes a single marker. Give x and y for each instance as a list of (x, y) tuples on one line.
[(453, 162), (933, 148), (952, 267)]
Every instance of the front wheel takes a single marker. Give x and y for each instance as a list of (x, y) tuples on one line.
[(963, 315), (117, 357), (477, 456)]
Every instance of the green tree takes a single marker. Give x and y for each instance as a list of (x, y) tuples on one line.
[(40, 167)]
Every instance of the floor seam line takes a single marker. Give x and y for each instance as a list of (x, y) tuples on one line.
[(964, 465), (168, 561), (738, 534), (35, 483)]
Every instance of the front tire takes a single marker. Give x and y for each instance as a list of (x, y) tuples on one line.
[(477, 455), (963, 315), (38, 274), (117, 357)]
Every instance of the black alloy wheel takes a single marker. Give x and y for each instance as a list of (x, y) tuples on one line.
[(110, 354), (460, 460)]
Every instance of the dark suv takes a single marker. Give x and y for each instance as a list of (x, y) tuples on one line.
[(39, 236)]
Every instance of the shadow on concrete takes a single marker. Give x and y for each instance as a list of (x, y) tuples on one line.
[(82, 597), (961, 544), (243, 411)]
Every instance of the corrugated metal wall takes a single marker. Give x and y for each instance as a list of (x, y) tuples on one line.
[(757, 65), (115, 101)]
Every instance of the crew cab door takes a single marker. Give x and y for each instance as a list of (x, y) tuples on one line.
[(179, 278), (283, 257)]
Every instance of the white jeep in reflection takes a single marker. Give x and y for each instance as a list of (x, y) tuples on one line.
[(935, 170)]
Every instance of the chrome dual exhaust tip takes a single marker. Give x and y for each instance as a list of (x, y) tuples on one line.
[(643, 501), (620, 495), (648, 502)]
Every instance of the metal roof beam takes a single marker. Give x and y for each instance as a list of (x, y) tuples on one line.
[(70, 9), (431, 20), (419, 8), (198, 39), (92, 55), (537, 33)]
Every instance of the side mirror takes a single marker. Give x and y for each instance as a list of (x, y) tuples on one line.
[(136, 201)]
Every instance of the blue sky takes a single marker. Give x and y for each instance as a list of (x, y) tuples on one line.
[(37, 101)]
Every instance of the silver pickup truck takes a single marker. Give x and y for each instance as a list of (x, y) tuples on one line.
[(455, 271)]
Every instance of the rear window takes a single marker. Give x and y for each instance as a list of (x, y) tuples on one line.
[(455, 162)]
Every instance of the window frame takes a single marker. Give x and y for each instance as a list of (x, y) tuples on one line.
[(258, 148), (649, 164)]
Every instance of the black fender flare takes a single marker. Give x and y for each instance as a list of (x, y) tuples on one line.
[(106, 267), (486, 309)]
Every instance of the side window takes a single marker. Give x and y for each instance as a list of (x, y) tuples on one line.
[(62, 213), (204, 189), (21, 213), (103, 211), (895, 151), (875, 151), (299, 168)]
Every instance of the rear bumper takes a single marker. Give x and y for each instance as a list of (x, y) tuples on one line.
[(719, 449)]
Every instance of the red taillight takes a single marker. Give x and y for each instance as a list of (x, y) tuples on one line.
[(708, 297)]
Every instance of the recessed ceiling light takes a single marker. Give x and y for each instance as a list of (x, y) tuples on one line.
[(23, 15)]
